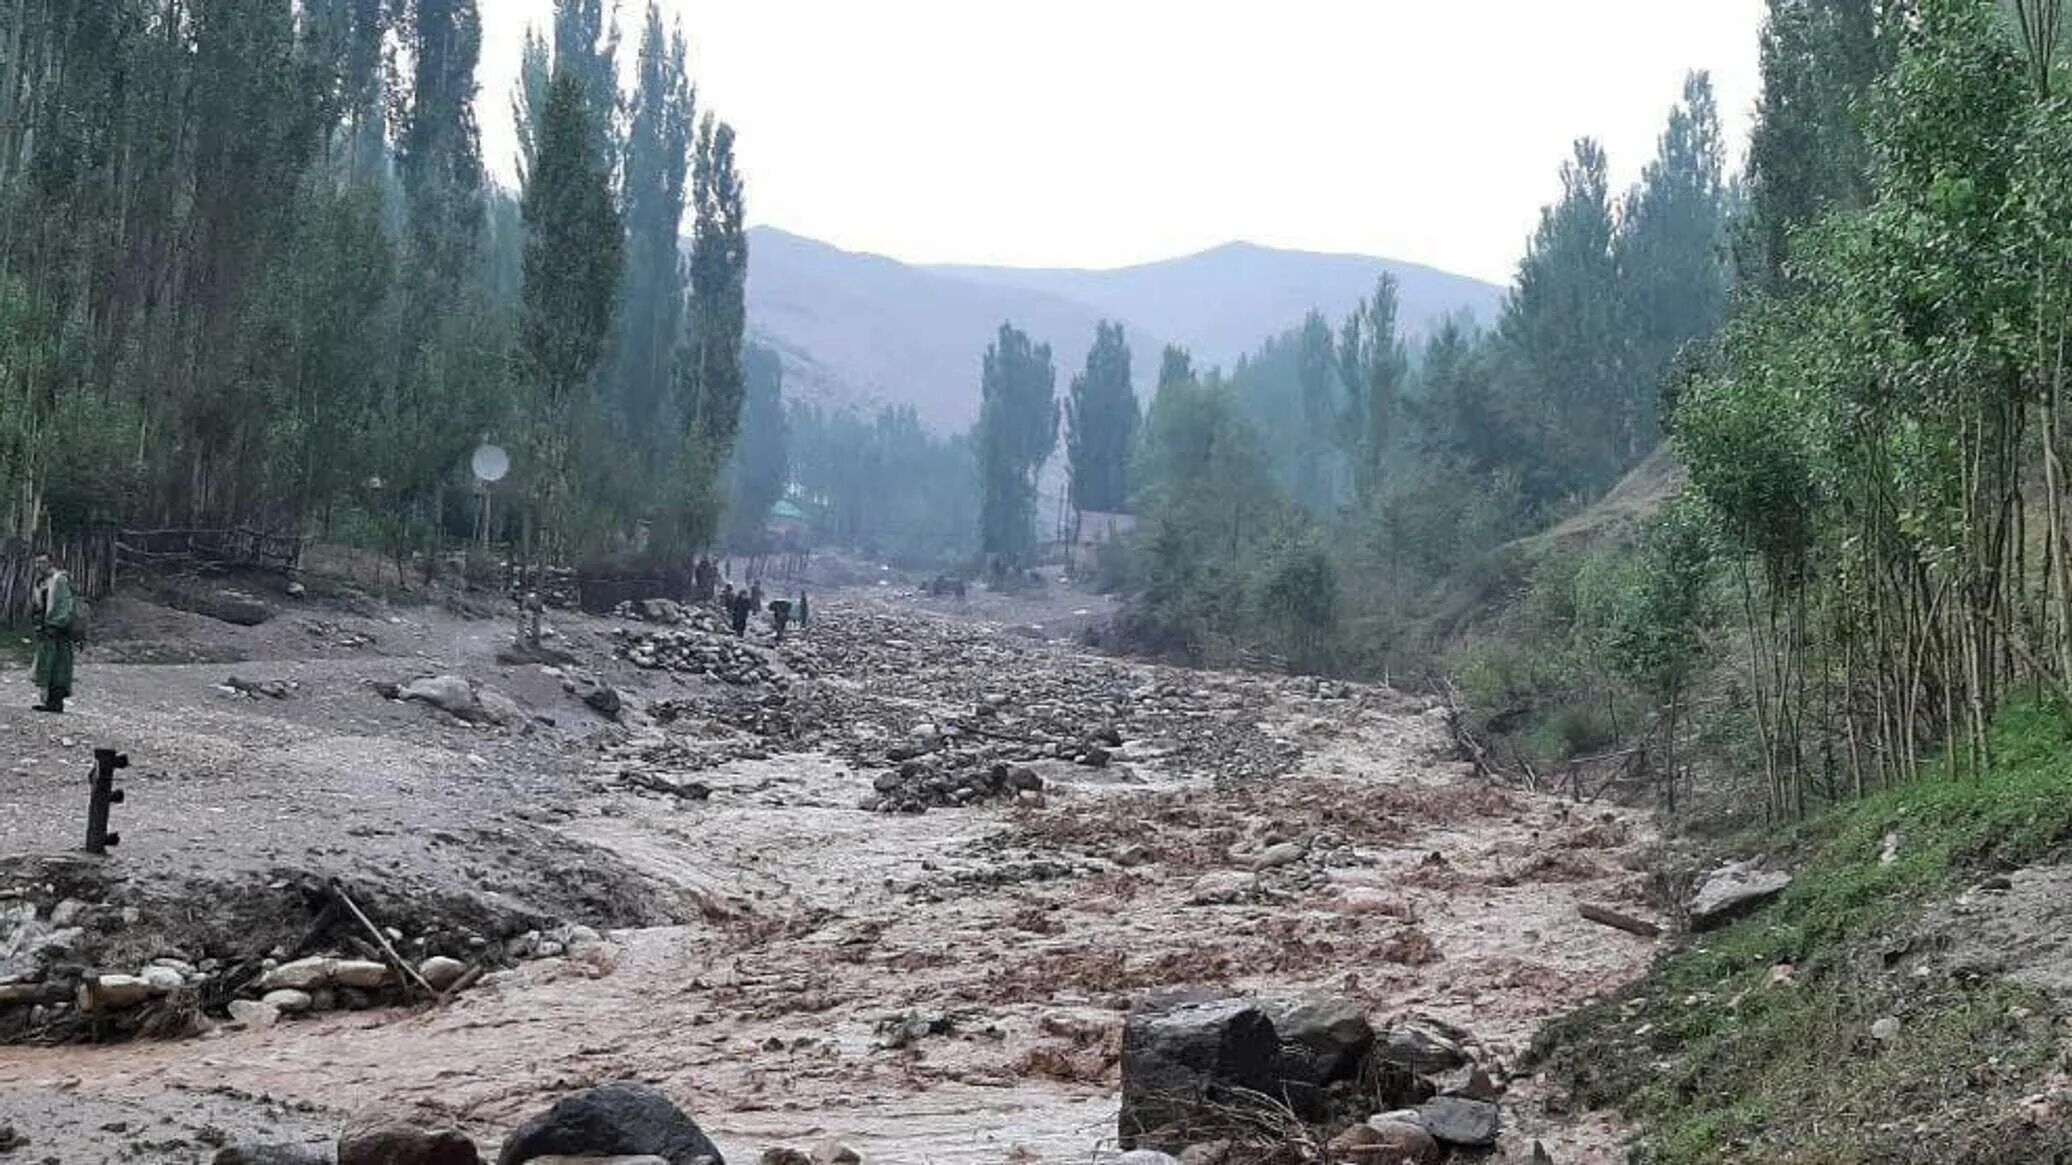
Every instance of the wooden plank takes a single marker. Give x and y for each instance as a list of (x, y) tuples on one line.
[(1605, 916)]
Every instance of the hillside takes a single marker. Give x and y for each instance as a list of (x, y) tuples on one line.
[(866, 330), (1222, 302)]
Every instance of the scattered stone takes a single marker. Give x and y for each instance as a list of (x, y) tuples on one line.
[(1222, 888), (163, 980), (626, 1119), (254, 1013), (1206, 1153), (416, 1138), (1885, 1030), (785, 1157), (1146, 1157), (1733, 892), (440, 972), (448, 693), (1180, 1064), (1460, 1120), (604, 700)]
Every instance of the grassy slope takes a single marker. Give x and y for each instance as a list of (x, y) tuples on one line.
[(1717, 1064)]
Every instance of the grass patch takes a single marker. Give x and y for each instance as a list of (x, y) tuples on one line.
[(1716, 1063)]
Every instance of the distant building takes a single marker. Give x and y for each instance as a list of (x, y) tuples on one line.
[(1097, 527)]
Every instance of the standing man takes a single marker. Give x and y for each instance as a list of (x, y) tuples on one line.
[(54, 609), (780, 616), (803, 610)]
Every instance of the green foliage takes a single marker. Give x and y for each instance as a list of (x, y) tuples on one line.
[(761, 466), (1017, 430), (1101, 424), (1719, 1064), (884, 486)]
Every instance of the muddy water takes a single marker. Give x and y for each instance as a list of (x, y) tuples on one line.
[(1018, 934)]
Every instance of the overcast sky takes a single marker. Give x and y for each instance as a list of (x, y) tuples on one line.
[(1099, 133)]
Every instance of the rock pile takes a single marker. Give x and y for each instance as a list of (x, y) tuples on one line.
[(917, 786), (1197, 1075), (696, 652)]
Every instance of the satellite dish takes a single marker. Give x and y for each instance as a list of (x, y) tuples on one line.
[(490, 463)]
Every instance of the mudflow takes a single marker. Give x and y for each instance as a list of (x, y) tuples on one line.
[(894, 881)]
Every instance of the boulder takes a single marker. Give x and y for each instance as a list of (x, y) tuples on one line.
[(1459, 1120), (163, 980), (1146, 1157), (288, 1001), (274, 1155), (604, 700), (661, 611), (440, 972), (1734, 891), (411, 1138), (1181, 1063), (625, 1119), (1427, 1047), (1323, 1038), (450, 694), (785, 1157), (1400, 1142), (300, 975), (497, 708), (254, 1014), (1206, 1153), (835, 1153), (638, 1159)]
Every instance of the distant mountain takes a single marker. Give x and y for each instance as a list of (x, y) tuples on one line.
[(1222, 302), (864, 330)]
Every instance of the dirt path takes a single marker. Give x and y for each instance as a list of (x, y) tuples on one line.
[(942, 987)]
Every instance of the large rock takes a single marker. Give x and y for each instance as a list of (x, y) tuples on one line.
[(1181, 1063), (1458, 1120), (1399, 1142), (452, 695), (1424, 1046), (1323, 1038), (300, 975), (410, 1138), (625, 1119), (1734, 891), (604, 700)]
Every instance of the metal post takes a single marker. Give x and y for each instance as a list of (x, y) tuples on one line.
[(104, 794)]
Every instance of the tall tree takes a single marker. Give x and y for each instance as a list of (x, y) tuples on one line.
[(573, 251), (1101, 424), (708, 373), (1671, 257), (1372, 365), (1017, 430), (761, 464), (1316, 482), (658, 158)]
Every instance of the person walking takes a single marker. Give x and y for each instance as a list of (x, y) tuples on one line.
[(55, 608)]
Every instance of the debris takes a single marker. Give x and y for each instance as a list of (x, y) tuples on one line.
[(1612, 918)]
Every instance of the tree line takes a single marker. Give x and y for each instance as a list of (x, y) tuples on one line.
[(252, 271)]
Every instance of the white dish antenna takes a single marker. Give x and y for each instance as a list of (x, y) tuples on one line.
[(490, 463)]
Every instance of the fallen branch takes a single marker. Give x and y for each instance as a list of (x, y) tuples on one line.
[(1617, 921), (408, 972)]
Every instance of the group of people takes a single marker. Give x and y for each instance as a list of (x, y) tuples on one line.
[(740, 606)]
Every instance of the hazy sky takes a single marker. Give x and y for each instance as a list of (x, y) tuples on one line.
[(1100, 133)]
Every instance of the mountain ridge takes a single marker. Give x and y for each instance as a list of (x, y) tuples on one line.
[(864, 330)]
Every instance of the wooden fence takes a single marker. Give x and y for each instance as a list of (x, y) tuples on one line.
[(90, 558), (236, 548)]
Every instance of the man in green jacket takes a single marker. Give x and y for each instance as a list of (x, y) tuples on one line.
[(54, 610)]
